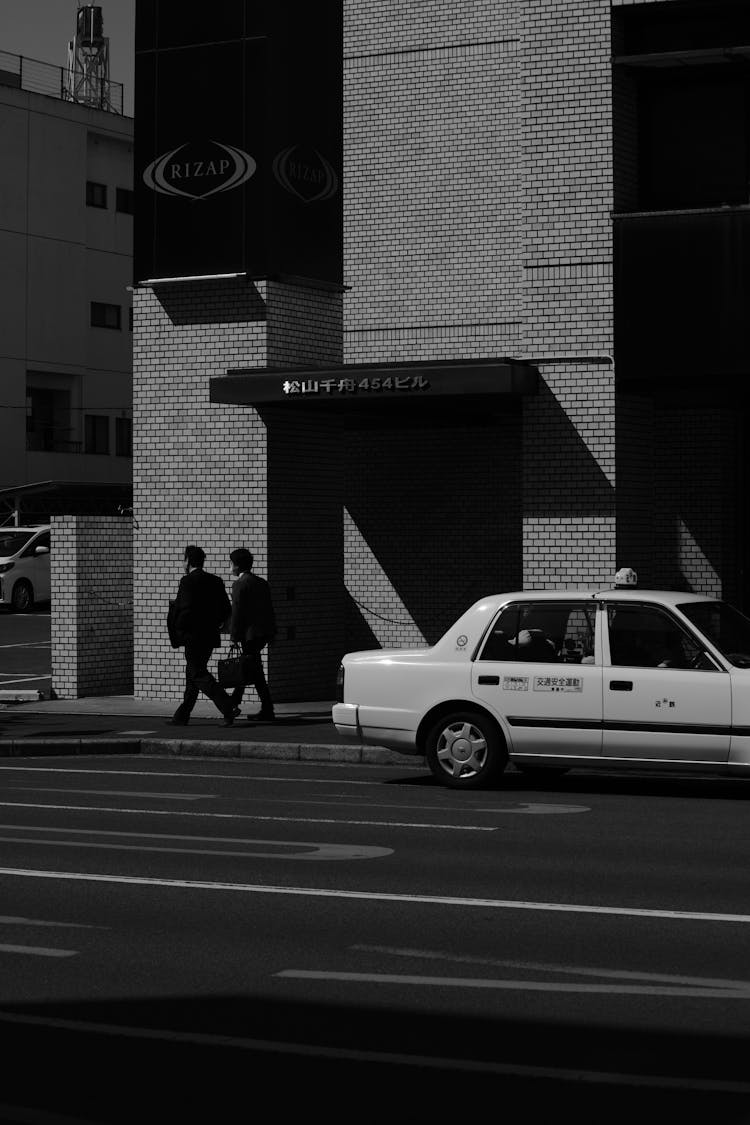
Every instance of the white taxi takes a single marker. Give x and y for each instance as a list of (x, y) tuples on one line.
[(603, 678), (24, 566)]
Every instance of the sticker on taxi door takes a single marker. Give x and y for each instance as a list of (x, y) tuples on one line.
[(558, 683), (515, 683)]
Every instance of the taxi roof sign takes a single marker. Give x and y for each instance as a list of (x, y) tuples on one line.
[(626, 576)]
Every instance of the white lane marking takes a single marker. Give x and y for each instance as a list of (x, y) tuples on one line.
[(544, 967), (317, 851), (374, 896), (30, 644), (441, 1064), (10, 920), (534, 809), (336, 801), (677, 991), (248, 816), (212, 776), (5, 678), (38, 951), (117, 793)]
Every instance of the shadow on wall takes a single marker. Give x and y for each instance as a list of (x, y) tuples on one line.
[(560, 476), (225, 301), (436, 497), (698, 466), (357, 633)]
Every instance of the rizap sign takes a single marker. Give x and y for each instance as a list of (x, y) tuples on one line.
[(305, 173), (197, 171)]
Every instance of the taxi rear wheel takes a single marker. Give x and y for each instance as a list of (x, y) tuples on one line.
[(465, 750)]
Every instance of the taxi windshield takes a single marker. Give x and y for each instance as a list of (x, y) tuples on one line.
[(13, 541), (724, 626)]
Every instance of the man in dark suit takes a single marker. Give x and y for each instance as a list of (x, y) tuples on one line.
[(200, 609), (253, 625)]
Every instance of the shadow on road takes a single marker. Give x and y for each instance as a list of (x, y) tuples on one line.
[(191, 1059)]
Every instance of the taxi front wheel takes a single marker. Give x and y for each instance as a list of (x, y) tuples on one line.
[(465, 750)]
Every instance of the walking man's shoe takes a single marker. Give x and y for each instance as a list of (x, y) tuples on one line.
[(262, 717), (228, 720), (177, 722)]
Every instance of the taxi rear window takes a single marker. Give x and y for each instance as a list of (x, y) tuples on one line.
[(557, 632)]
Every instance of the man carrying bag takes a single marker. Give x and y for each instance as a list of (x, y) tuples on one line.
[(253, 626), (195, 617)]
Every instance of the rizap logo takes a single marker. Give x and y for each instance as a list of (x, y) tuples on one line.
[(304, 172), (196, 171)]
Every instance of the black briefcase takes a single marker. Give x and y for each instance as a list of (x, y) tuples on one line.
[(231, 670)]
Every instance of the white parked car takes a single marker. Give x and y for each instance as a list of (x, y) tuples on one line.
[(556, 680), (24, 566)]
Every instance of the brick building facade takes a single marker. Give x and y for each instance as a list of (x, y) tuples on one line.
[(488, 147)]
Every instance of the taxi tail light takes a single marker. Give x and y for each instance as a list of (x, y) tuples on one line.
[(340, 684)]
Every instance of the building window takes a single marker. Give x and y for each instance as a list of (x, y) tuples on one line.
[(124, 437), (96, 194), (130, 318), (124, 201), (48, 421), (97, 433), (105, 316)]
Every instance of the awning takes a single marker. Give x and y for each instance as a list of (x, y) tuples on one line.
[(378, 383)]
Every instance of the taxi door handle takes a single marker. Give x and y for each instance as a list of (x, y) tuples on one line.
[(620, 685), (488, 679)]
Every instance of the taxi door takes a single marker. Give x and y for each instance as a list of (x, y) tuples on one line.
[(665, 698), (540, 669)]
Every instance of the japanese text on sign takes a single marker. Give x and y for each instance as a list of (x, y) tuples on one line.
[(558, 683), (354, 386)]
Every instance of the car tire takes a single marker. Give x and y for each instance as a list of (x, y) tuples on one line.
[(465, 750), (22, 597)]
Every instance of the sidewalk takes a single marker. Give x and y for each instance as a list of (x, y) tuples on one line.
[(122, 724)]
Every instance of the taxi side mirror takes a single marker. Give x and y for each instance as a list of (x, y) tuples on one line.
[(41, 550)]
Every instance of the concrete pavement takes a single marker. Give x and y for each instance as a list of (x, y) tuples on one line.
[(125, 725)]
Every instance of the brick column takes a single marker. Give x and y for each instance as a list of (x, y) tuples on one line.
[(569, 429), (92, 606), (200, 469)]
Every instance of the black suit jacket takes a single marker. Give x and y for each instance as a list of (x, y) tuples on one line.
[(200, 608), (253, 618)]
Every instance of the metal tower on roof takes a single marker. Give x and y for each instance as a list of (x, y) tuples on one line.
[(88, 60)]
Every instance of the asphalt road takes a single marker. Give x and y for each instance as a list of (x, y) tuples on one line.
[(344, 939), (25, 650)]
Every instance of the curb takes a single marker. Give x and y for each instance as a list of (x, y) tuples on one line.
[(26, 695), (205, 748)]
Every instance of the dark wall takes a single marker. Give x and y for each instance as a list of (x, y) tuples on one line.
[(238, 139)]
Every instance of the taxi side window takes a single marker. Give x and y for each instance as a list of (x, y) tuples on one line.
[(646, 637), (542, 632)]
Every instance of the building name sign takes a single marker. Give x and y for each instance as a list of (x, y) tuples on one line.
[(355, 386), (376, 383)]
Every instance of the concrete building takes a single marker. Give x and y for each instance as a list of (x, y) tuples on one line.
[(66, 237), (531, 368)]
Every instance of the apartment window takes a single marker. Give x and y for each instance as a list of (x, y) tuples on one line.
[(48, 421), (123, 437), (96, 433), (96, 194), (105, 316), (124, 201)]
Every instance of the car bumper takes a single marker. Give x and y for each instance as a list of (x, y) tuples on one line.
[(347, 719)]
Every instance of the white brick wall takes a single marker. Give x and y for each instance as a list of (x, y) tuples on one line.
[(92, 606)]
